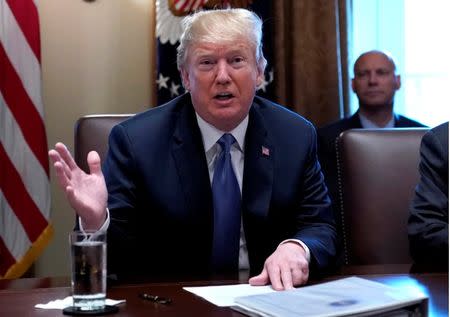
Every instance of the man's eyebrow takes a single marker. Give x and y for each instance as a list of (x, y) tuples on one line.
[(384, 68), (202, 52)]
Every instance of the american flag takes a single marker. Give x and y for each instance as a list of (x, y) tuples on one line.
[(24, 170)]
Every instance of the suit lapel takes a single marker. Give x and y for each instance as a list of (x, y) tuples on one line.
[(190, 162), (258, 166)]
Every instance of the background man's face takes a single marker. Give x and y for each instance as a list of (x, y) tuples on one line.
[(375, 82)]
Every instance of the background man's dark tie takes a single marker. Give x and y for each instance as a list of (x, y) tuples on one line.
[(227, 210)]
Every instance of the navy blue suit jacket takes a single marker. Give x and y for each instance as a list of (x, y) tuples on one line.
[(428, 222), (160, 196)]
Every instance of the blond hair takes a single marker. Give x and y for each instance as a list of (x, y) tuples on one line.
[(221, 26)]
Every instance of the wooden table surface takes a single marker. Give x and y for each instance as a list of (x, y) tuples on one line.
[(18, 297)]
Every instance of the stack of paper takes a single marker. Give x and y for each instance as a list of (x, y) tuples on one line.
[(349, 296)]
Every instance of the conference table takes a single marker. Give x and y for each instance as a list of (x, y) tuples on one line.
[(19, 296)]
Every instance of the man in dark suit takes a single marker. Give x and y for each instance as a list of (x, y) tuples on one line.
[(428, 222), (160, 172), (375, 83)]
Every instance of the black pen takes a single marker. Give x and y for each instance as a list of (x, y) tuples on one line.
[(155, 298)]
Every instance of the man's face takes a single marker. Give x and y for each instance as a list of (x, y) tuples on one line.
[(375, 82), (222, 80)]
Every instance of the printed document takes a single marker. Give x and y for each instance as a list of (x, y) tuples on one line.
[(347, 296)]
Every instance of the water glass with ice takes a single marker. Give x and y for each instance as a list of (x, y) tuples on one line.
[(88, 262)]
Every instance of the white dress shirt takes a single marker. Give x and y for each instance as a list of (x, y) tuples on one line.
[(367, 124)]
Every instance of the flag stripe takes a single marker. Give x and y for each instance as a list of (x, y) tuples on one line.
[(184, 6), (198, 3), (31, 172), (17, 244), (23, 110), (21, 57), (22, 264), (25, 209), (26, 14), (24, 170), (7, 259)]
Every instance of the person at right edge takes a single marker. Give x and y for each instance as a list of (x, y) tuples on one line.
[(428, 220)]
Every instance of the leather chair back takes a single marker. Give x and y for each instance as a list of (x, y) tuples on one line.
[(91, 133), (377, 174)]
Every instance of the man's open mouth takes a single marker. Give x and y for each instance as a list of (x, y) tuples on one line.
[(224, 96)]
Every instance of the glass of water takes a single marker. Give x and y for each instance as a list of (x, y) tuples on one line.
[(88, 261)]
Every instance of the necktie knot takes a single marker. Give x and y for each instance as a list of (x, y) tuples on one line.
[(226, 141)]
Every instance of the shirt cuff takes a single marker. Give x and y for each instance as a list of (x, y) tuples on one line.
[(104, 227), (303, 245)]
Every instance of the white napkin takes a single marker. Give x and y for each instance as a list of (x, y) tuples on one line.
[(66, 302)]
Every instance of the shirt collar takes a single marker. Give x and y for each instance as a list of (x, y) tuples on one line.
[(367, 124), (210, 134)]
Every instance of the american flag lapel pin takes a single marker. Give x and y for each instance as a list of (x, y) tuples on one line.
[(265, 151)]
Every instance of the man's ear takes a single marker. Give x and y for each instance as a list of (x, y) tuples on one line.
[(353, 85), (259, 77), (185, 78), (398, 82)]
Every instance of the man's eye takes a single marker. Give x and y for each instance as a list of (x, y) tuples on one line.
[(237, 60), (361, 74), (206, 64), (382, 72)]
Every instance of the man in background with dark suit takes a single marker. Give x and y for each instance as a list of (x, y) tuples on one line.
[(428, 221), (375, 83), (161, 184)]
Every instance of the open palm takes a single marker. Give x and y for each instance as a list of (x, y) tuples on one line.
[(86, 193)]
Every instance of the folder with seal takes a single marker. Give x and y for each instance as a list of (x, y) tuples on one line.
[(352, 296)]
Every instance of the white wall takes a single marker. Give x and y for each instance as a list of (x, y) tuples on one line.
[(97, 57)]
